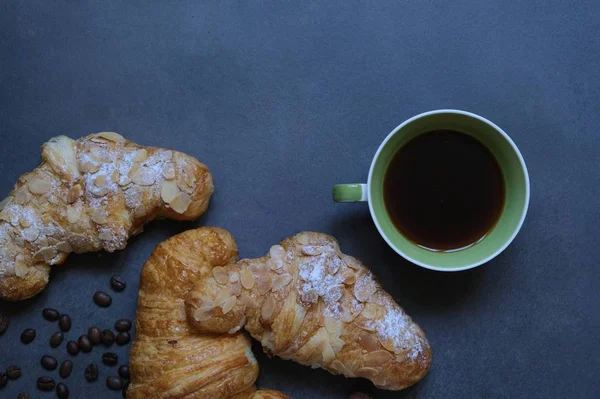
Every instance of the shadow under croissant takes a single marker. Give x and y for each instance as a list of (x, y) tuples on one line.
[(300, 381), (94, 269), (308, 383)]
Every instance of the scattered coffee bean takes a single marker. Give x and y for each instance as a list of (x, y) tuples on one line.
[(108, 337), (110, 359), (23, 395), (3, 380), (118, 283), (84, 344), (102, 299), (56, 339), (123, 338), (62, 391), (45, 383), (114, 383), (50, 314), (95, 335), (123, 325), (49, 363), (13, 372), (125, 389), (65, 369), (3, 323), (72, 348), (27, 336), (64, 322), (91, 372), (124, 372)]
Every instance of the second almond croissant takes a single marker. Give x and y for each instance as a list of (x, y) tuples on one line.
[(308, 302)]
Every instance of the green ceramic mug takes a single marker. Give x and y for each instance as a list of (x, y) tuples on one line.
[(514, 172)]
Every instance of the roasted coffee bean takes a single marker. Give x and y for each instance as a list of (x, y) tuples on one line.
[(56, 339), (62, 391), (65, 369), (108, 337), (45, 383), (114, 383), (27, 336), (23, 395), (64, 322), (110, 359), (124, 372), (95, 335), (125, 389), (49, 363), (91, 372), (123, 338), (84, 344), (72, 348), (123, 325), (13, 372), (118, 283), (50, 314), (3, 323), (3, 380), (102, 299)]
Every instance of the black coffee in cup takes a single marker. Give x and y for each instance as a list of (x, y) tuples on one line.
[(444, 190)]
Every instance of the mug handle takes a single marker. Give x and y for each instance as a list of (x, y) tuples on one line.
[(355, 192)]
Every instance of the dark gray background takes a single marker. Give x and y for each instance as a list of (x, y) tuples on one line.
[(283, 100)]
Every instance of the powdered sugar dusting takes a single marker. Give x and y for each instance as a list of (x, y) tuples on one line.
[(22, 225), (397, 327), (318, 283), (355, 307), (111, 173), (7, 265)]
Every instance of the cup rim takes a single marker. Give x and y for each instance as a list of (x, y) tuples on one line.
[(513, 146)]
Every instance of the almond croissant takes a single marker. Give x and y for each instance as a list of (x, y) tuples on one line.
[(308, 302), (88, 195), (169, 359)]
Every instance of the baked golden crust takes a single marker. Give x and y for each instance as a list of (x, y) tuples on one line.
[(268, 394), (89, 195), (168, 358), (308, 302)]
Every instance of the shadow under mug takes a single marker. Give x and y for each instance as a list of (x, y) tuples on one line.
[(514, 170)]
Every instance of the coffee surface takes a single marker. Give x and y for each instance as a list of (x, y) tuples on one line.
[(444, 190)]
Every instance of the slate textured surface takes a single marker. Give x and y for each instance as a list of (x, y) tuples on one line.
[(284, 99)]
